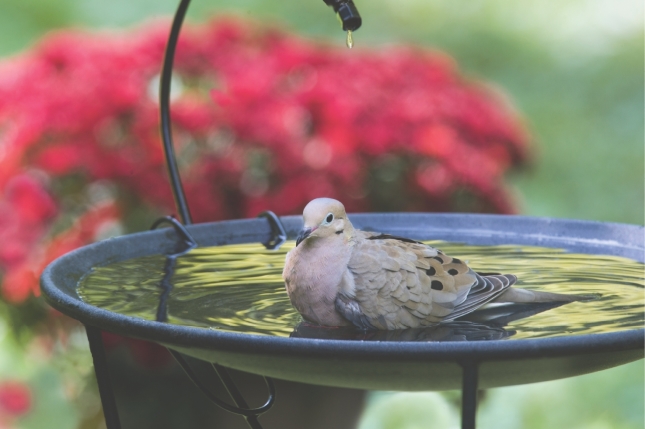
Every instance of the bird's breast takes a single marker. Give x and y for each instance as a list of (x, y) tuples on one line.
[(312, 274)]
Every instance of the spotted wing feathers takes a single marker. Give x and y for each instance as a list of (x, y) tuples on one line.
[(406, 284)]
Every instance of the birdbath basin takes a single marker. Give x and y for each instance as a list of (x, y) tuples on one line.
[(375, 365)]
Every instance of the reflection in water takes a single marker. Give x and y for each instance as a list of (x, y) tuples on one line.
[(482, 325), (450, 331), (239, 288)]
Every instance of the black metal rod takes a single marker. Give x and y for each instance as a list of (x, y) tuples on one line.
[(470, 381), (164, 107), (103, 377), (234, 393)]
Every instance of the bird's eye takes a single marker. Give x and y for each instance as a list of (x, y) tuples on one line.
[(329, 218)]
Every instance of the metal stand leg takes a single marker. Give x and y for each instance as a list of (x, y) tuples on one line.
[(469, 394), (103, 378)]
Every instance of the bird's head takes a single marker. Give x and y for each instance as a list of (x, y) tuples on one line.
[(324, 217)]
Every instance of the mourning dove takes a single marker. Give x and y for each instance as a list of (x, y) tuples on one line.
[(338, 275)]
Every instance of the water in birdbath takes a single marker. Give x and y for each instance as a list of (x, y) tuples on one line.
[(239, 288)]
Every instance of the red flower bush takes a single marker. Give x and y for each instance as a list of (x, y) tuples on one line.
[(262, 120)]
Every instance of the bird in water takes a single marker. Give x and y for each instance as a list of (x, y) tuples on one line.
[(341, 276)]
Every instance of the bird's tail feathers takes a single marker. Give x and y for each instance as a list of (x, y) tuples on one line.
[(520, 296)]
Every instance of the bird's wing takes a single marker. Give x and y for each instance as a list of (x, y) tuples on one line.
[(486, 289), (400, 283)]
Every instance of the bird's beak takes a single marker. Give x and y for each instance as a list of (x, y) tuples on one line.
[(304, 233)]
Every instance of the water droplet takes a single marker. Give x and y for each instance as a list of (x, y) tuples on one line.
[(350, 39)]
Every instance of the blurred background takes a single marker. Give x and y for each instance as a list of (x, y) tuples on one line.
[(562, 82)]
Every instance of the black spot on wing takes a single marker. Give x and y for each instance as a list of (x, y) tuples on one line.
[(431, 271), (453, 272), (436, 285)]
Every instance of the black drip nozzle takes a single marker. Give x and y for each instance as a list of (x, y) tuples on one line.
[(347, 13)]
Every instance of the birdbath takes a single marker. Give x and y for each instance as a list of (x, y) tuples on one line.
[(378, 365), (374, 365)]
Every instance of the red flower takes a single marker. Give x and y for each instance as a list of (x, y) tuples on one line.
[(15, 398), (21, 281), (26, 209)]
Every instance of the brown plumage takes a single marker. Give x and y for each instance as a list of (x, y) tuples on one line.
[(337, 275)]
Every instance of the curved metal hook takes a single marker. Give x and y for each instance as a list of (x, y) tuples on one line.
[(246, 412), (181, 230), (279, 233), (235, 394)]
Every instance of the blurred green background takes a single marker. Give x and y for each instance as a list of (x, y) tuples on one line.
[(573, 69)]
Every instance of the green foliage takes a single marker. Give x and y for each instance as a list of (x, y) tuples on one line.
[(50, 386), (611, 399), (409, 411), (50, 403), (608, 399)]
